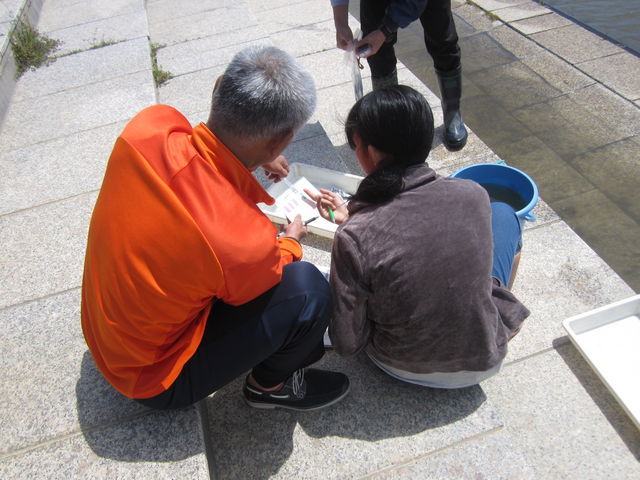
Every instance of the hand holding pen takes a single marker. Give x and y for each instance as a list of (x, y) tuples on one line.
[(331, 206)]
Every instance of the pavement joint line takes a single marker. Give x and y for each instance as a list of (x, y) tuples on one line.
[(4, 152), (209, 452), (403, 463), (50, 202), (149, 69), (559, 342), (81, 431), (227, 32), (32, 300), (128, 14)]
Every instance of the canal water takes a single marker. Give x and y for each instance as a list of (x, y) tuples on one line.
[(617, 19)]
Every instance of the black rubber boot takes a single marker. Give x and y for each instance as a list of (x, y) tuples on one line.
[(386, 81), (455, 133)]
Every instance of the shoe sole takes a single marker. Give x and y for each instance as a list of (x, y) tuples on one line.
[(454, 147), (271, 406)]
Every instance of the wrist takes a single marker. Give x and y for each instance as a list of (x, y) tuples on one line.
[(387, 32), (292, 238)]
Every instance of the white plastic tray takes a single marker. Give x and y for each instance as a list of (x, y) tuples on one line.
[(320, 178), (609, 339)]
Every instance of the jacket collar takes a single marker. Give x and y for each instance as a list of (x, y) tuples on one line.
[(228, 165), (413, 177)]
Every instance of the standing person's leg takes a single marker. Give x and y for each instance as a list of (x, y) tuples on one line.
[(383, 63), (507, 241), (276, 334), (441, 40)]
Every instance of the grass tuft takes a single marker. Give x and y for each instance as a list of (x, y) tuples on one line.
[(160, 76), (31, 49)]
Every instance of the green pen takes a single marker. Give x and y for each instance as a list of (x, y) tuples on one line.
[(331, 215)]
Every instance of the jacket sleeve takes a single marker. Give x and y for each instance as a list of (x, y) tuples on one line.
[(349, 329), (401, 13), (290, 251)]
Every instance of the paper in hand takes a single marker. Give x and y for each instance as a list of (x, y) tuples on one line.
[(294, 201)]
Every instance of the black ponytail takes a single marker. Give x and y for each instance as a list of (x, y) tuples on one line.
[(398, 122)]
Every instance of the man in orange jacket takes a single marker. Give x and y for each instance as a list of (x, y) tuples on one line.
[(187, 284)]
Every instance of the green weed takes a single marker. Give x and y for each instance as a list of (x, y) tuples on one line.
[(160, 76), (31, 49)]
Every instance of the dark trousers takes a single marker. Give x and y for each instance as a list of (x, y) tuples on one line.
[(440, 36), (275, 334)]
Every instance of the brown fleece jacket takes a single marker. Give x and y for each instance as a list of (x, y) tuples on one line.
[(412, 281)]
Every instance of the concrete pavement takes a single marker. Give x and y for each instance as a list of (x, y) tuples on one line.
[(545, 416)]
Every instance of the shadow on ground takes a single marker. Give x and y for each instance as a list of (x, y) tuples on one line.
[(249, 443), (120, 429), (600, 395)]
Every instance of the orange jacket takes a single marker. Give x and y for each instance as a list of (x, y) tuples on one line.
[(175, 226)]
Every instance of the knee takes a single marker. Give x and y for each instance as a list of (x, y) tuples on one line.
[(305, 277)]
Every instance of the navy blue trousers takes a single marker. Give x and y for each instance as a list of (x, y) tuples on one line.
[(440, 36), (274, 334)]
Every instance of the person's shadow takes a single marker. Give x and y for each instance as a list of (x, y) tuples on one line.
[(118, 428), (370, 423)]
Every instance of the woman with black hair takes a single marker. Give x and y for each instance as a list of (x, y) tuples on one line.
[(420, 263)]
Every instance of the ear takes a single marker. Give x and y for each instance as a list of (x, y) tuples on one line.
[(276, 144), (375, 156), (217, 84)]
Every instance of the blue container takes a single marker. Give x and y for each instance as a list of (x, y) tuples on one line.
[(505, 184)]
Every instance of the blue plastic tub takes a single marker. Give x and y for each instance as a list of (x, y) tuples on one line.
[(506, 184)]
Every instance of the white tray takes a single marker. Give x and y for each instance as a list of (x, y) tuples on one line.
[(320, 178), (609, 339)]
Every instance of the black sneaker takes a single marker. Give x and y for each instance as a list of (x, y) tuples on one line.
[(309, 389)]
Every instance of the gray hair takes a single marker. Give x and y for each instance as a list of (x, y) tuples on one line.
[(263, 92)]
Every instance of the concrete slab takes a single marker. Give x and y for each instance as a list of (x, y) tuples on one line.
[(9, 9), (86, 67), (57, 15), (306, 39), (52, 387), (316, 150), (482, 52), (561, 124), (475, 17), (162, 10), (329, 68), (56, 169), (556, 72), (497, 4), (575, 44), (563, 420), (112, 29), (615, 112), (619, 72), (492, 123), (489, 455), (317, 250), (602, 224), (217, 50), (523, 10), (382, 422), (294, 15), (613, 169), (517, 44), (540, 23), (78, 109), (556, 178), (202, 24), (551, 269), (43, 249), (191, 92), (161, 446), (514, 85)]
